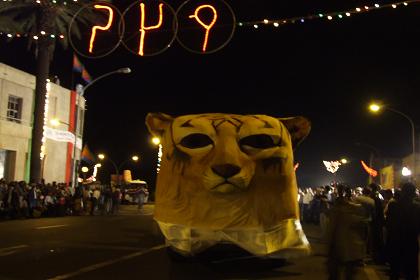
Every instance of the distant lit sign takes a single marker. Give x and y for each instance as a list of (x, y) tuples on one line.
[(332, 166), (153, 26)]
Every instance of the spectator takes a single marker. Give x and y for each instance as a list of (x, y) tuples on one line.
[(142, 193), (345, 237), (403, 229)]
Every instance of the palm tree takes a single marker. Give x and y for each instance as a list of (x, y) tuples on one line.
[(35, 18)]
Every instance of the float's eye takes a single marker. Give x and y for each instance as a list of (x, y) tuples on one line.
[(260, 141), (196, 140)]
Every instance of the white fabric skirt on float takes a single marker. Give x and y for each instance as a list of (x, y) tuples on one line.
[(286, 240)]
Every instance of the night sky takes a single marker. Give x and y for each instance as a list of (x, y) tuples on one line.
[(327, 71)]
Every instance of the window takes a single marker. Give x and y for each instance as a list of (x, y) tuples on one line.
[(14, 109)]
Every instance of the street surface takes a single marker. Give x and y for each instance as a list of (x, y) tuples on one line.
[(129, 246)]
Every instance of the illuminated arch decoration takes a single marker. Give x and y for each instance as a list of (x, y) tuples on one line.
[(155, 28), (372, 172), (217, 19), (94, 44)]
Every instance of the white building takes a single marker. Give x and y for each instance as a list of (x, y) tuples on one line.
[(17, 90)]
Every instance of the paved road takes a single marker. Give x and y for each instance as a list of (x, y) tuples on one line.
[(128, 246)]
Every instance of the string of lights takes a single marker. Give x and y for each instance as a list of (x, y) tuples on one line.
[(44, 136), (34, 36), (329, 16), (258, 23), (62, 2), (160, 153), (11, 35)]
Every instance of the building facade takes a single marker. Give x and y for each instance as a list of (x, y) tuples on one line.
[(64, 113), (392, 175)]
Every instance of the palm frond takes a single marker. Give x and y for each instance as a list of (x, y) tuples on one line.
[(22, 16)]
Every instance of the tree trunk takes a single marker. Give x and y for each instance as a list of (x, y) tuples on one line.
[(45, 49), (42, 72)]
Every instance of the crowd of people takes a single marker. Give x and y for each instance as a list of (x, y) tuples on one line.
[(357, 224), (366, 224), (19, 200)]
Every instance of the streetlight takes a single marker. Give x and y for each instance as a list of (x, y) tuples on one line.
[(344, 161), (56, 122), (84, 171), (80, 93), (125, 70), (372, 148), (406, 172), (375, 108), (118, 167), (156, 141)]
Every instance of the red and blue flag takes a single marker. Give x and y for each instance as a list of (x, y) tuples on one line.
[(77, 65)]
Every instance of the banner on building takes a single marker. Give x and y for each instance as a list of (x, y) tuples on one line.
[(59, 135), (62, 136)]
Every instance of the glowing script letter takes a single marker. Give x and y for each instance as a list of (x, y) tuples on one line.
[(207, 27), (144, 28), (106, 27)]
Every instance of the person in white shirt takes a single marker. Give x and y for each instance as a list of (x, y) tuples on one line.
[(308, 195)]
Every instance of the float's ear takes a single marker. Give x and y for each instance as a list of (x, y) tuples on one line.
[(157, 123), (298, 127)]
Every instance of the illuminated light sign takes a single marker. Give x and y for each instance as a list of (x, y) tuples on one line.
[(372, 172), (144, 28), (103, 28), (332, 166), (206, 27), (216, 17), (102, 36), (154, 29)]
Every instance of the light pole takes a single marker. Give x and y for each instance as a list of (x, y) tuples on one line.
[(118, 167), (375, 108), (372, 148), (371, 157), (80, 92)]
